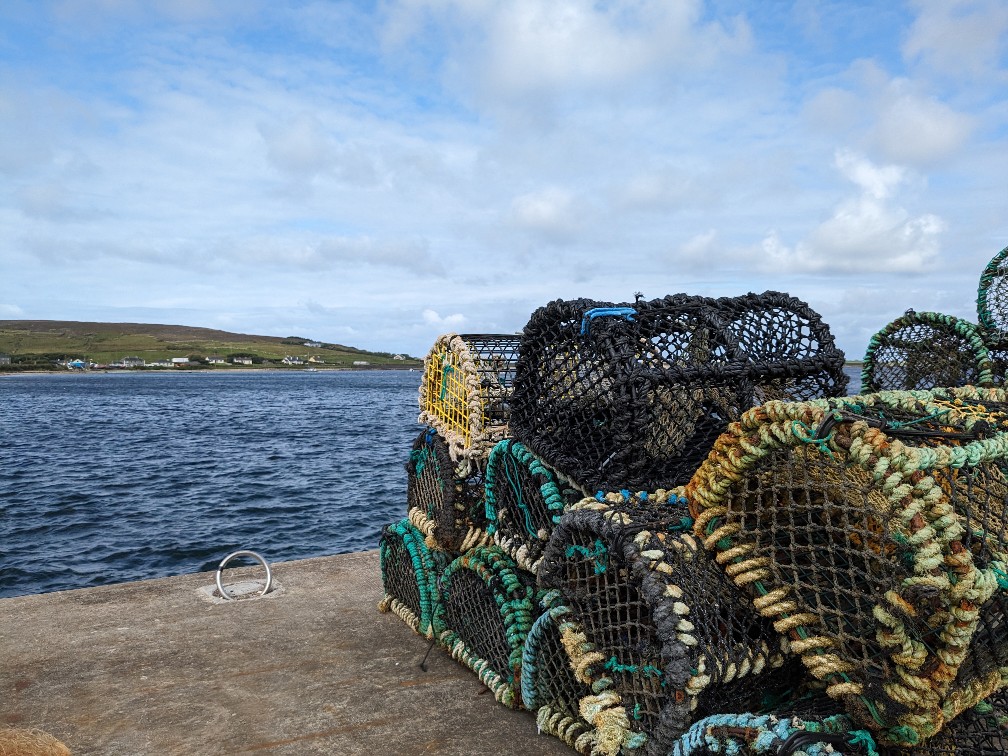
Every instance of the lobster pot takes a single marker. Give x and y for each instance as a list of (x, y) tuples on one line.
[(992, 295), (675, 640), (924, 350), (626, 397), (872, 532), (445, 498), (409, 576), (487, 608), (524, 501), (790, 351), (553, 681), (465, 391)]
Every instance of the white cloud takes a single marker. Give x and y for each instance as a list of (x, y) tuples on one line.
[(11, 311), (959, 37), (917, 130), (448, 323), (550, 213), (867, 234)]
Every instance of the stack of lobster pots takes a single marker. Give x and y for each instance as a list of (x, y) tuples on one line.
[(550, 543)]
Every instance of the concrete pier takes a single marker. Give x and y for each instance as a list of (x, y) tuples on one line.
[(157, 667)]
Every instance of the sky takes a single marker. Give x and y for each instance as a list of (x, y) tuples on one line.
[(377, 174)]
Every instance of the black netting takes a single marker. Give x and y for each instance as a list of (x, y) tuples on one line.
[(677, 639), (790, 348), (524, 500), (633, 396), (924, 350)]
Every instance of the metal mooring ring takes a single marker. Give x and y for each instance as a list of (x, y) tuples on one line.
[(228, 558)]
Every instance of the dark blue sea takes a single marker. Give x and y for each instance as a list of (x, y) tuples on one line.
[(109, 477)]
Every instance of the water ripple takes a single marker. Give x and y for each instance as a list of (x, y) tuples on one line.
[(126, 476)]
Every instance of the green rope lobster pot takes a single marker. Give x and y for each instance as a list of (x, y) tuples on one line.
[(524, 500), (409, 576), (487, 607), (992, 312), (554, 678), (871, 531), (445, 498), (674, 639), (632, 396), (465, 391), (924, 350)]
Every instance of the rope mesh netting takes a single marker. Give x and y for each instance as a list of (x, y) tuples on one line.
[(872, 531), (465, 391), (676, 639), (409, 573), (791, 351), (487, 607), (524, 500), (444, 498), (924, 350), (633, 396)]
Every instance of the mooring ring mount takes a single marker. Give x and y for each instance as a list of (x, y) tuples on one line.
[(244, 553)]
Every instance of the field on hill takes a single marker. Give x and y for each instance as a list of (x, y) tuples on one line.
[(43, 344)]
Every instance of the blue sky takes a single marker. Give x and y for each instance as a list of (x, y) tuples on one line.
[(376, 174)]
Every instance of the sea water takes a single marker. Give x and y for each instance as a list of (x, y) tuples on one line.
[(109, 477)]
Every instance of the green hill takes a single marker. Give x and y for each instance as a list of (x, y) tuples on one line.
[(46, 344)]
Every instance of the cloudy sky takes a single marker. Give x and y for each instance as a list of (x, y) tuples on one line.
[(379, 173)]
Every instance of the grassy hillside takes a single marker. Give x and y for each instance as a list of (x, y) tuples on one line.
[(37, 344)]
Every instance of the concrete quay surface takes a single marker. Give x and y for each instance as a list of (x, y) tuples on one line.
[(159, 667)]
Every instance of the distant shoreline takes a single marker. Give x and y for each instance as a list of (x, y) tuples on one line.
[(219, 370)]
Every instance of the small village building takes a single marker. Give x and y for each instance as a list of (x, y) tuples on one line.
[(179, 361), (241, 360), (313, 344), (289, 360), (5, 359), (316, 360), (398, 357), (216, 359), (132, 362), (360, 363)]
